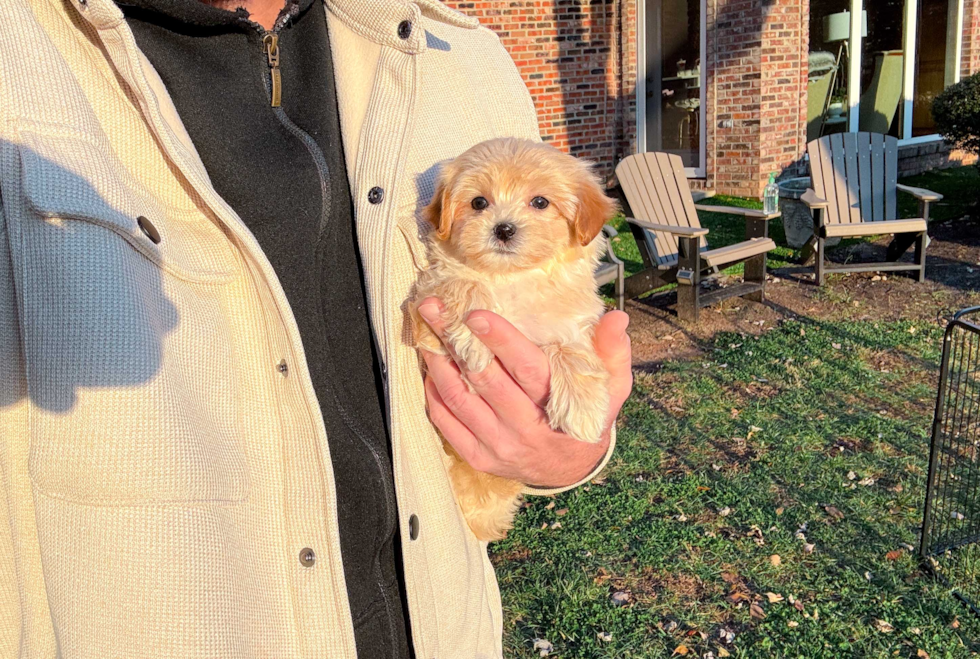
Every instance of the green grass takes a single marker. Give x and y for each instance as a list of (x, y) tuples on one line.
[(721, 462)]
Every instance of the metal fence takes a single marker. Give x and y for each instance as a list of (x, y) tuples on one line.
[(951, 523)]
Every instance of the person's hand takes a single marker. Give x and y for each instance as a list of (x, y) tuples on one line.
[(502, 428)]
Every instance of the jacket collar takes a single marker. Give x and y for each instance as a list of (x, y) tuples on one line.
[(379, 21)]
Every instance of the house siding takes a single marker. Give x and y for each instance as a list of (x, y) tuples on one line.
[(579, 60)]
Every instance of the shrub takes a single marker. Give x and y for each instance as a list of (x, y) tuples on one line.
[(957, 114)]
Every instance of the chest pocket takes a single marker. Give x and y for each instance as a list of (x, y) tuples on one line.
[(127, 312)]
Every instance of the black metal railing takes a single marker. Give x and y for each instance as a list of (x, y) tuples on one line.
[(951, 521)]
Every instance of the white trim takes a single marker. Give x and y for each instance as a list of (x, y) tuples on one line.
[(921, 139), (854, 56), (908, 52), (641, 87), (641, 76), (959, 42)]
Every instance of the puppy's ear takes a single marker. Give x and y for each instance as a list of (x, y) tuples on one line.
[(441, 209), (594, 209)]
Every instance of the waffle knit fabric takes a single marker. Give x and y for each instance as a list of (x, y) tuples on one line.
[(160, 474)]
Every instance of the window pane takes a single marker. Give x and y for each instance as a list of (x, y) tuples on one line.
[(882, 67), (827, 68), (674, 78), (935, 48)]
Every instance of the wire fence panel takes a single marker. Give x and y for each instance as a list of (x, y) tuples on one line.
[(951, 523)]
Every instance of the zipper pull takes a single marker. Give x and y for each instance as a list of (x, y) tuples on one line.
[(271, 41)]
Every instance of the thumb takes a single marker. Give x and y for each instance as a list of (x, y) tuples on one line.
[(612, 344)]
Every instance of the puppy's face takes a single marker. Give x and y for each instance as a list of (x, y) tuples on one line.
[(510, 204)]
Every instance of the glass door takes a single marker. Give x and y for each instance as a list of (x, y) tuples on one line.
[(674, 81)]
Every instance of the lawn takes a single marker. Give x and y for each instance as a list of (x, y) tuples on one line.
[(764, 500)]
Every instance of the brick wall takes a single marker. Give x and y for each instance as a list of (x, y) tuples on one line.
[(578, 58), (971, 37)]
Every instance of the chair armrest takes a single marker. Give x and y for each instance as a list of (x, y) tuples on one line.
[(611, 233), (811, 199), (666, 228), (920, 193), (736, 210)]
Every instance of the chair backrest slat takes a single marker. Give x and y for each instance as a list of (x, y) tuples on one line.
[(891, 178), (657, 190), (840, 178), (852, 176), (878, 176), (666, 243), (864, 175), (857, 173)]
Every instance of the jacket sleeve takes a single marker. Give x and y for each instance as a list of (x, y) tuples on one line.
[(12, 404), (549, 491)]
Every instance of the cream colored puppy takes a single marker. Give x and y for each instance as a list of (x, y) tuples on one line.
[(515, 233)]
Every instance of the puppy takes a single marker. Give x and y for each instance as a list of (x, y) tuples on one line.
[(515, 226)]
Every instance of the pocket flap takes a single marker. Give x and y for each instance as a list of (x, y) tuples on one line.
[(71, 177)]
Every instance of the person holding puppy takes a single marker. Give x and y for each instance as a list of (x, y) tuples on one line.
[(214, 437)]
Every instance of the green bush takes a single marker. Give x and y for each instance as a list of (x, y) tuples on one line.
[(957, 114)]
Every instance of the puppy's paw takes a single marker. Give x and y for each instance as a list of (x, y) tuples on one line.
[(471, 351), (579, 401)]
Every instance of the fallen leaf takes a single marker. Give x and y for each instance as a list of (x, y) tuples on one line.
[(556, 525), (620, 598), (561, 511), (774, 597), (808, 548), (798, 605), (792, 623), (834, 512), (543, 646), (895, 554), (779, 511), (955, 624), (836, 346), (722, 652), (550, 505), (922, 653), (884, 627), (775, 560), (756, 611), (605, 637), (680, 650), (726, 635), (851, 475), (725, 512)]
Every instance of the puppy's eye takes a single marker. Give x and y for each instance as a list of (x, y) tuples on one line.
[(479, 203), (540, 203)]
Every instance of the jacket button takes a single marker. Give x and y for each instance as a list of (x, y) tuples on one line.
[(307, 557), (405, 29), (283, 367), (148, 229), (413, 527), (376, 195)]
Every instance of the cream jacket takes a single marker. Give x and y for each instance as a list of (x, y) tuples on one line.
[(163, 459)]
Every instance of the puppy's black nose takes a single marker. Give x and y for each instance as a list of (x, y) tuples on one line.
[(504, 231)]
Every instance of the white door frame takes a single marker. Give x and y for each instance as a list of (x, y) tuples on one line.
[(641, 86)]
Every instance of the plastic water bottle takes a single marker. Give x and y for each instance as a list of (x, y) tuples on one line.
[(770, 197)]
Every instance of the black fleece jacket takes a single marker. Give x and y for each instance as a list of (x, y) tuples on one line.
[(282, 170)]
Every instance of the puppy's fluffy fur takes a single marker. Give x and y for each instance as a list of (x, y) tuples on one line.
[(540, 278)]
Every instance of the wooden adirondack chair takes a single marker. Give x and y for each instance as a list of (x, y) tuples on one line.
[(672, 242), (855, 186)]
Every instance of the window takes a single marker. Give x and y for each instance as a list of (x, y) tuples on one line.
[(882, 74), (672, 80)]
